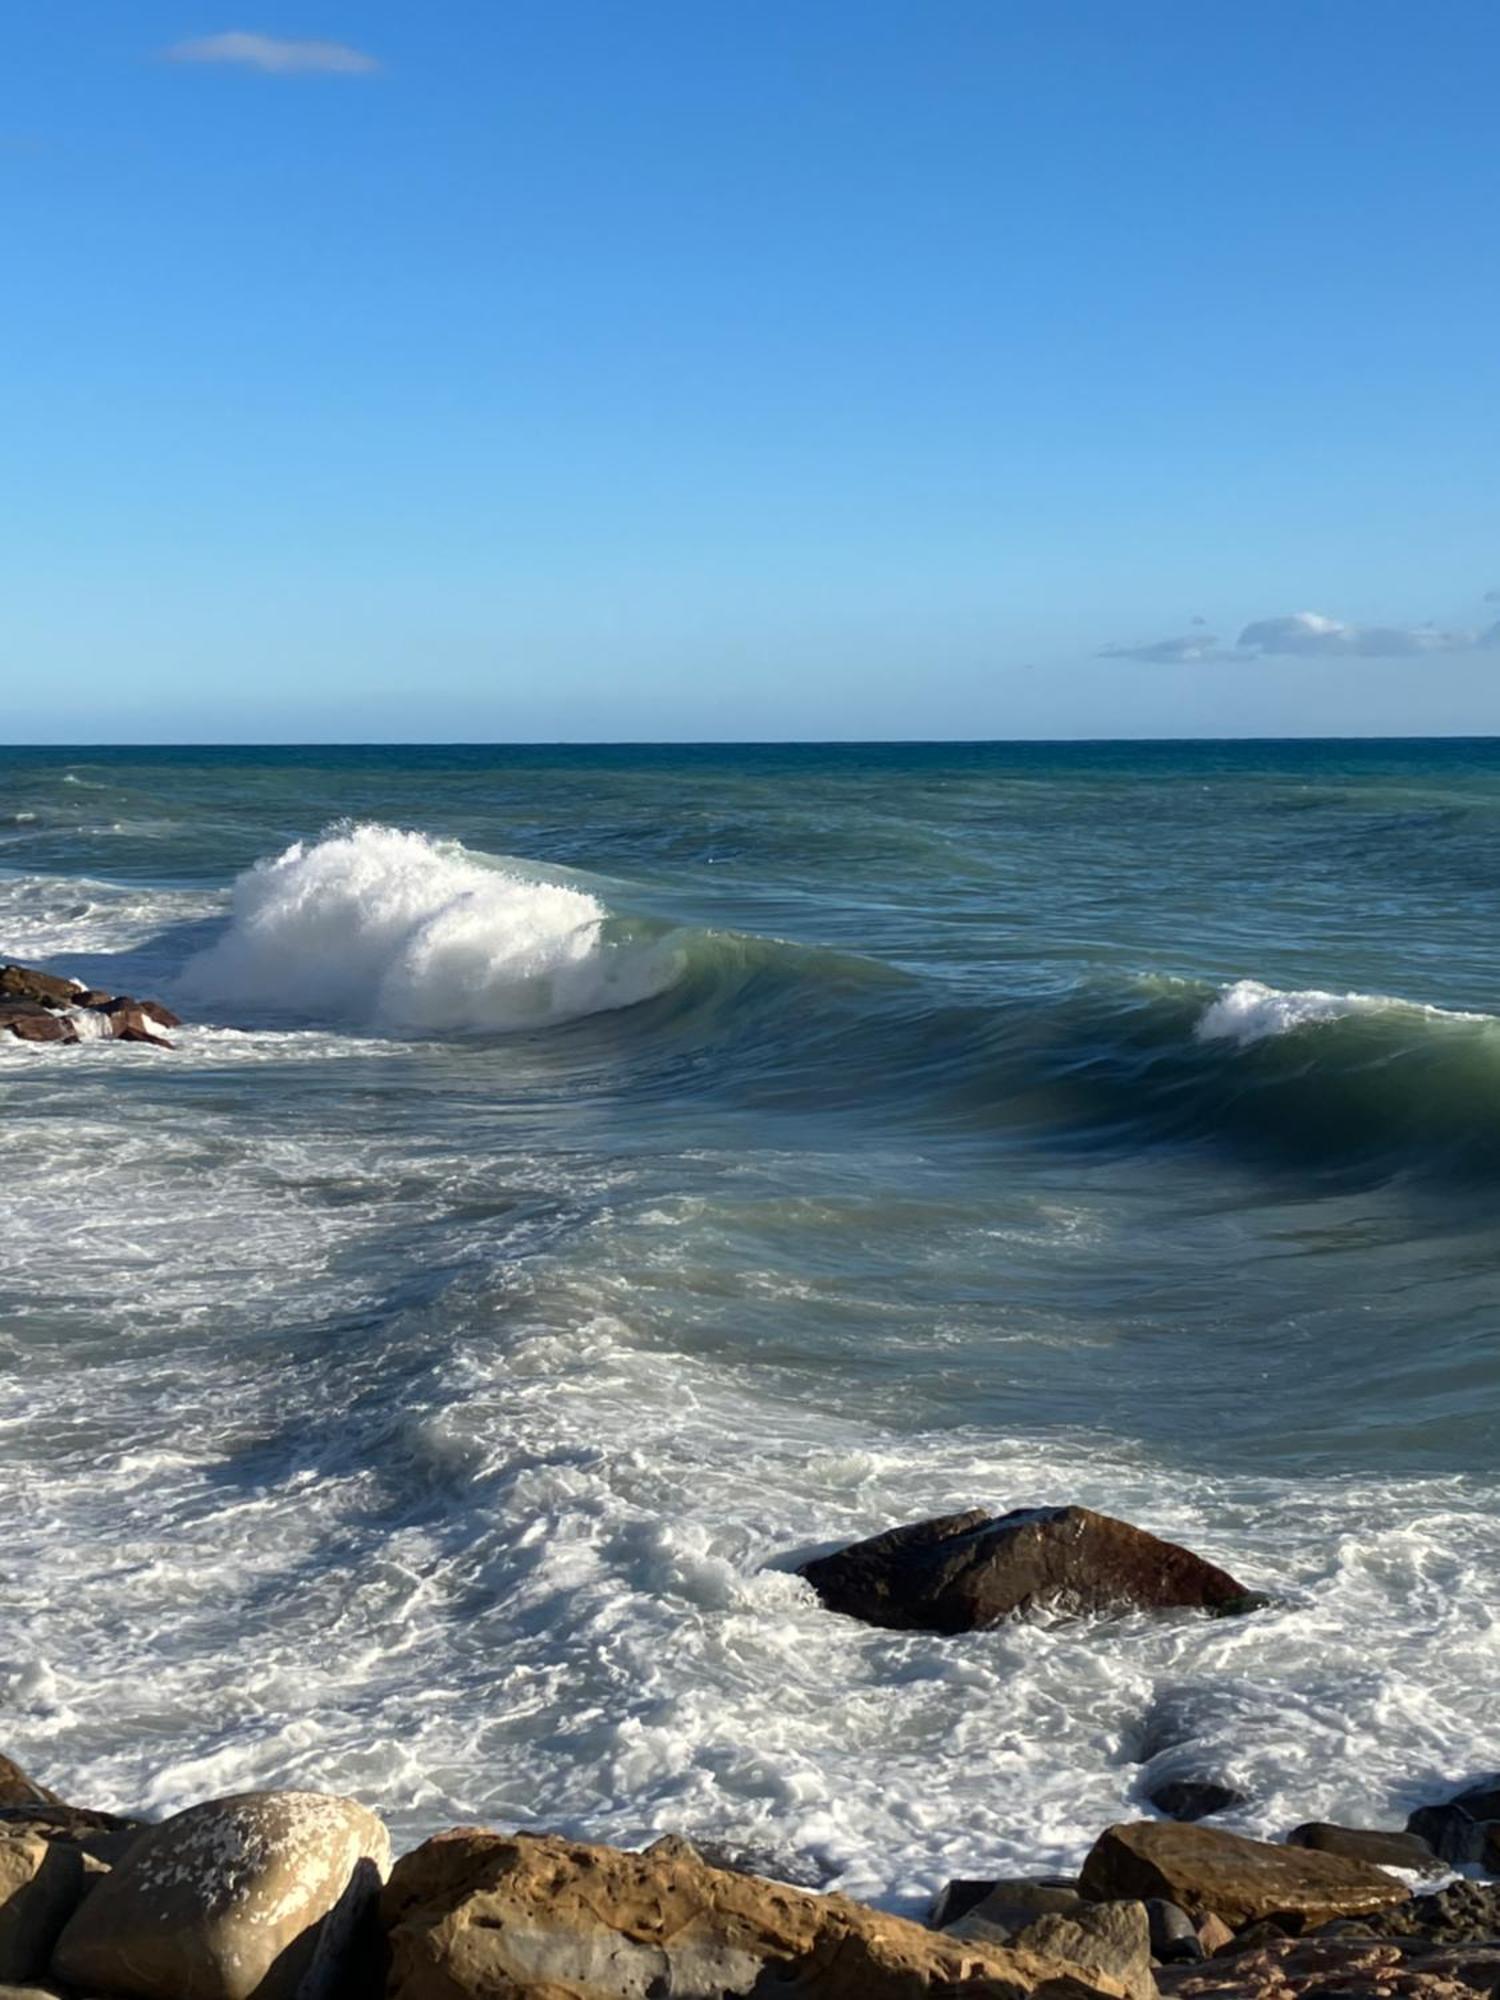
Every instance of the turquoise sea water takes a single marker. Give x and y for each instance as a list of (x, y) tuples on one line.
[(595, 1178)]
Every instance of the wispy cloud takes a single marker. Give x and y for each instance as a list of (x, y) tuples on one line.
[(274, 55), (1184, 649), (1308, 634), (1311, 635)]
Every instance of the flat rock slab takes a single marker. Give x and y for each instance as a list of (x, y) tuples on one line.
[(1377, 1845), (258, 1897), (487, 1916), (962, 1572), (1204, 1870)]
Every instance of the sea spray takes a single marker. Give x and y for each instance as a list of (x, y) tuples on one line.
[(378, 927)]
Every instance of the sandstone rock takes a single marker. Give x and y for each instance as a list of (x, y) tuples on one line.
[(102, 1835), (40, 1887), (1464, 1829), (1011, 1905), (21, 982), (1113, 1938), (1381, 1848), (965, 1571), (129, 1021), (1463, 1913), (486, 1916), (30, 1021), (262, 1895), (1239, 1880), (1213, 1934), (1336, 1969), (17, 1789), (1194, 1798)]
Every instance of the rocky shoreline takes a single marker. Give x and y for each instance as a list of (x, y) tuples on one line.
[(293, 1896), (38, 1006)]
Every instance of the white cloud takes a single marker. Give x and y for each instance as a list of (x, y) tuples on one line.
[(1310, 635), (276, 57)]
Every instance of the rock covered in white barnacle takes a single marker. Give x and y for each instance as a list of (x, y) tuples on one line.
[(259, 1897)]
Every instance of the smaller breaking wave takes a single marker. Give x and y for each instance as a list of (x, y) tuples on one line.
[(381, 928), (1249, 1011)]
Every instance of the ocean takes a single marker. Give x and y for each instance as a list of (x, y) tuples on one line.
[(593, 1180)]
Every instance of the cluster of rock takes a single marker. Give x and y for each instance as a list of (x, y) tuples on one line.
[(44, 1007), (292, 1896)]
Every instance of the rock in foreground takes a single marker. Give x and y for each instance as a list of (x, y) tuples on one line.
[(1206, 1871), (261, 1895), (486, 1916), (962, 1572)]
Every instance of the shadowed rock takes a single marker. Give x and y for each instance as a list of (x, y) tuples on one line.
[(1464, 1829), (17, 1789), (962, 1572)]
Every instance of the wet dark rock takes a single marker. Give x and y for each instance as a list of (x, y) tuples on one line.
[(1463, 1913), (1382, 1847), (1174, 1935), (795, 1869), (1194, 1798), (1464, 1829), (30, 1021), (962, 1572)]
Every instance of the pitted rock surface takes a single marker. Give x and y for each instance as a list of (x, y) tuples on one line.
[(486, 1916), (257, 1897)]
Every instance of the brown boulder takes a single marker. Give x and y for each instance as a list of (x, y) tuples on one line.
[(487, 1916), (261, 1895), (17, 1789), (21, 982), (1240, 1880), (1113, 1938), (30, 1021), (40, 1887), (965, 1571)]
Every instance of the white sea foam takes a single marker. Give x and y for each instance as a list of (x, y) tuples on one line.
[(1249, 1011), (384, 928)]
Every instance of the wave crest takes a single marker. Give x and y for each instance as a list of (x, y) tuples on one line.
[(1249, 1011), (393, 929)]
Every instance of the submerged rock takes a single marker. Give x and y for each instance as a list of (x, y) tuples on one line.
[(1194, 1798), (490, 1915), (30, 1021), (264, 1895), (961, 1572), (1239, 1880)]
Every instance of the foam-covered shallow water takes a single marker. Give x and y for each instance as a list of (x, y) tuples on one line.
[(592, 1181)]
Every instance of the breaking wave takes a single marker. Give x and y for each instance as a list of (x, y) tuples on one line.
[(391, 929)]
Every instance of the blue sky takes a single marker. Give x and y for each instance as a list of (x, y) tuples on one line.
[(699, 368)]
